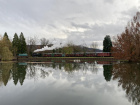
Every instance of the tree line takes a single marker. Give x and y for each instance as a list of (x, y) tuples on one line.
[(9, 49)]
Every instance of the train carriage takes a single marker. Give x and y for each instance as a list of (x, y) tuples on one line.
[(103, 54)]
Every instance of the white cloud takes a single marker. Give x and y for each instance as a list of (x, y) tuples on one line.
[(76, 20)]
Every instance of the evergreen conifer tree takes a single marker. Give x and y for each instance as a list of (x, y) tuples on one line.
[(15, 44), (107, 44), (107, 72), (22, 44)]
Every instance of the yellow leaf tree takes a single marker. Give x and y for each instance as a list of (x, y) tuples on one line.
[(6, 49)]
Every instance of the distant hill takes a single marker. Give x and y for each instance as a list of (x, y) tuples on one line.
[(99, 50), (91, 49)]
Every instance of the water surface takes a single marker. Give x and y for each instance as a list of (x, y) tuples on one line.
[(69, 84)]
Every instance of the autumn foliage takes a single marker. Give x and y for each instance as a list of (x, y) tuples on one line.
[(127, 45)]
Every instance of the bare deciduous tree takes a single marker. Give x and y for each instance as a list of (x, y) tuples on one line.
[(44, 41), (94, 45), (32, 42)]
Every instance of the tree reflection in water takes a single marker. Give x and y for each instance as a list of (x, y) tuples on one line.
[(35, 71), (128, 76), (107, 72), (5, 69), (71, 67), (18, 73), (9, 70)]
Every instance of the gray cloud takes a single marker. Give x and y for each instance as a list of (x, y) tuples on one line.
[(87, 20), (86, 25), (91, 33), (109, 1), (131, 12)]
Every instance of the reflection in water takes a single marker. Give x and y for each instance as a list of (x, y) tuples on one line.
[(9, 70), (5, 69), (77, 74), (18, 72), (107, 72), (70, 67), (128, 76), (35, 71)]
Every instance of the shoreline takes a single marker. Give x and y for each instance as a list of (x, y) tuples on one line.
[(40, 59), (64, 59)]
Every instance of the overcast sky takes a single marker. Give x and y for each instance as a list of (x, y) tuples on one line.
[(79, 21)]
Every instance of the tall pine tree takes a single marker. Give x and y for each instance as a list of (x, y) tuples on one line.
[(107, 44), (22, 44), (15, 44)]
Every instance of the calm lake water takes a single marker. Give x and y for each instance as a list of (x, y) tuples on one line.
[(69, 84)]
